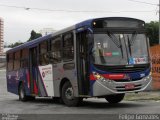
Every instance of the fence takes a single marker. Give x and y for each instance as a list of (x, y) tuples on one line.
[(155, 57)]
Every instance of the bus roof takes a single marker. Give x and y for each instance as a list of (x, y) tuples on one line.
[(28, 44), (38, 40), (89, 22), (76, 26)]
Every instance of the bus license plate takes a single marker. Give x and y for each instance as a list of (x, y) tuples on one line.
[(129, 86)]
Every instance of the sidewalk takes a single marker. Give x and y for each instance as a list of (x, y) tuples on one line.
[(2, 66), (151, 95)]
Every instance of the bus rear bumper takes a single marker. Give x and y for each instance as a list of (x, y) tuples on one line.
[(108, 87)]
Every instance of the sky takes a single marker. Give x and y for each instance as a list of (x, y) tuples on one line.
[(18, 22)]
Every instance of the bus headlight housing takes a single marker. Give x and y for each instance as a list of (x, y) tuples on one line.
[(99, 77)]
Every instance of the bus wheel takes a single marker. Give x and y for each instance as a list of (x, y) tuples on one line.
[(68, 95), (31, 98), (56, 99), (115, 98), (22, 93)]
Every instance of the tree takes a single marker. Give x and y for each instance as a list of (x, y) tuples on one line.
[(15, 44), (34, 35), (152, 29)]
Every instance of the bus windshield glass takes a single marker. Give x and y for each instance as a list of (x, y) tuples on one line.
[(120, 49)]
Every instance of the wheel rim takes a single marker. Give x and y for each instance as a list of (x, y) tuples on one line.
[(69, 93)]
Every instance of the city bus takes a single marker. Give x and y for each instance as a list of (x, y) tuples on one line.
[(100, 57)]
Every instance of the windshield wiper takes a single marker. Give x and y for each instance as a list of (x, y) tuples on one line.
[(129, 45), (131, 41), (121, 46), (133, 38), (114, 39)]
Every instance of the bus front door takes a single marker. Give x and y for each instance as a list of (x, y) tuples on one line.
[(82, 63)]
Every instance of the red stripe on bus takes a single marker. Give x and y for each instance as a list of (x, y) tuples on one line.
[(35, 88), (114, 76), (109, 76), (92, 77)]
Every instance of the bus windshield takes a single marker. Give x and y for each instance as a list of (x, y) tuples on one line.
[(120, 49)]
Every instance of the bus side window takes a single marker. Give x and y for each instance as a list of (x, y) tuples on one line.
[(10, 62), (17, 60), (68, 47), (56, 50), (43, 58), (24, 58)]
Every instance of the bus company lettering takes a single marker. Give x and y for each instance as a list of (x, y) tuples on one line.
[(46, 72), (16, 74), (47, 68)]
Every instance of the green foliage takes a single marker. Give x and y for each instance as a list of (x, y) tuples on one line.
[(15, 44), (34, 35), (152, 30)]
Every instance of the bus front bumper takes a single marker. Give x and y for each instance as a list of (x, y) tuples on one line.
[(107, 87)]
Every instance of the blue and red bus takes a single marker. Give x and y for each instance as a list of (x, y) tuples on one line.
[(101, 57)]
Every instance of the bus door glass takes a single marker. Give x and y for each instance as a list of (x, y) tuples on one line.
[(83, 62), (56, 57), (32, 68)]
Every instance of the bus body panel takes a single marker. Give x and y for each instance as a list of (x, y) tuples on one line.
[(14, 78), (46, 76), (64, 72)]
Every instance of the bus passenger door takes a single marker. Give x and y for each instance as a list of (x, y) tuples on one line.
[(33, 71), (83, 63)]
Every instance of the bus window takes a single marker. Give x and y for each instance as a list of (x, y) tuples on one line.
[(56, 45), (68, 49), (43, 58), (17, 60), (24, 58), (43, 47), (10, 62)]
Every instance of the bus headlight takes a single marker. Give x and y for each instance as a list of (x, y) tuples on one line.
[(97, 76), (149, 76)]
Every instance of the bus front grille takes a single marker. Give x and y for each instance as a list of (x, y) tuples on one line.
[(124, 69), (123, 89)]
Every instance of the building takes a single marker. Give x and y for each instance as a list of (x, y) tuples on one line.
[(46, 31), (1, 37)]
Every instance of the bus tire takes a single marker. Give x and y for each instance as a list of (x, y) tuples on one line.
[(67, 95), (114, 98), (56, 99), (22, 93), (31, 98)]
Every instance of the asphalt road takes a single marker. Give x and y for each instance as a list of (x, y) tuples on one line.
[(9, 104)]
